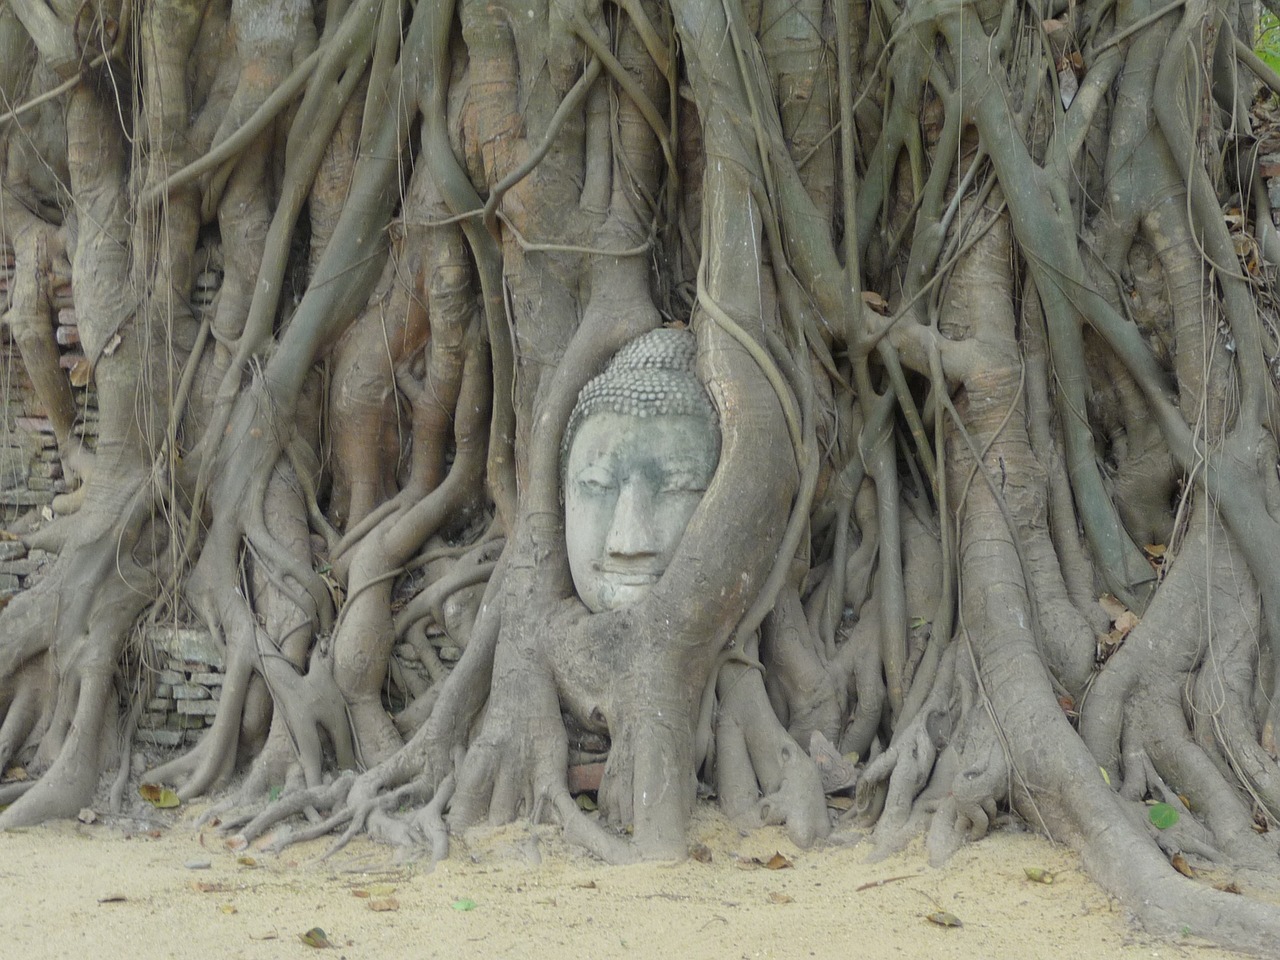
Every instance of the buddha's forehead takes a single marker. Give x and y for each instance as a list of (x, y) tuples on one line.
[(614, 439)]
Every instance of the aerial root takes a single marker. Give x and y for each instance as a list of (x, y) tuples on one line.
[(68, 784), (327, 797), (26, 694)]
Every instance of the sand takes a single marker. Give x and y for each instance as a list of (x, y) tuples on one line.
[(161, 888)]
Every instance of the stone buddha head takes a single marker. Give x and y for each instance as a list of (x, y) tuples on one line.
[(640, 449)]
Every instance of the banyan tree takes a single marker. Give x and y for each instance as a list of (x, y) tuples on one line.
[(947, 483)]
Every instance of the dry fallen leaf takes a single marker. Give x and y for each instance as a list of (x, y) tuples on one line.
[(778, 862), (700, 852), (362, 894), (876, 302), (384, 905), (1038, 874), (1126, 622), (81, 373), (1229, 886), (205, 886), (1111, 605), (113, 898), (246, 861), (944, 919), (1180, 864), (1068, 83), (776, 896), (14, 775)]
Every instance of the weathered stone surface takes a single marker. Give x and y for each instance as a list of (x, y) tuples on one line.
[(170, 677), (21, 567), (25, 498), (190, 691), (585, 777), (12, 549), (160, 705), (9, 581), (152, 721), (34, 424), (200, 708), (182, 643), (161, 738), (208, 679)]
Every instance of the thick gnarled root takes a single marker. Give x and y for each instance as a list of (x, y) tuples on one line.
[(762, 775)]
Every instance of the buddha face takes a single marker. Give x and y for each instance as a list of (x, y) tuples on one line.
[(631, 485)]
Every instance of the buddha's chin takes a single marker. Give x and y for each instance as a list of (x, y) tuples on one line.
[(623, 589)]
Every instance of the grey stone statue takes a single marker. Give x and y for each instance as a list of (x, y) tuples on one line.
[(640, 449)]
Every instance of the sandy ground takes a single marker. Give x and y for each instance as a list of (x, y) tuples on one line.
[(163, 889)]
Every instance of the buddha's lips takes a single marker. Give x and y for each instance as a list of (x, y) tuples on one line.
[(630, 577)]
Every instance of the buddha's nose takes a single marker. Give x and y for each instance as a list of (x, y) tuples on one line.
[(631, 533)]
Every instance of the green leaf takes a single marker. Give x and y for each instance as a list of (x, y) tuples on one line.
[(1267, 45), (1163, 816), (315, 937), (161, 797), (466, 903)]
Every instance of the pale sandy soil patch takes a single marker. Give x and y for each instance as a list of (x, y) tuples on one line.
[(123, 891)]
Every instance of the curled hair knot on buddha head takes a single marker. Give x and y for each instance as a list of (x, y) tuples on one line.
[(653, 375)]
